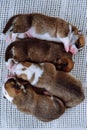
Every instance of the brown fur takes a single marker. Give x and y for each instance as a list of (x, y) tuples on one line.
[(41, 106), (42, 23), (38, 51), (10, 86), (80, 42), (60, 84), (22, 22)]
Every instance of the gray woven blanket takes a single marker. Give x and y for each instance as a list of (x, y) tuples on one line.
[(74, 11)]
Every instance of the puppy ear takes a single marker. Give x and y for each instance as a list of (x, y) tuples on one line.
[(82, 40), (9, 23), (65, 64)]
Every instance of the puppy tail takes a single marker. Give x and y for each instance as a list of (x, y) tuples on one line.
[(9, 23), (65, 64)]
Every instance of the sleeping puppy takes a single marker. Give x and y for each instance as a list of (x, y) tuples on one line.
[(57, 83), (47, 28), (39, 51), (45, 108)]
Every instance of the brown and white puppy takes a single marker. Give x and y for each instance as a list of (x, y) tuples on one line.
[(47, 28), (38, 51), (45, 108), (57, 83)]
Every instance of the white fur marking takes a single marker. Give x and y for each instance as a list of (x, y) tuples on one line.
[(51, 97), (66, 42), (45, 36), (29, 71), (13, 51), (23, 88), (73, 38), (6, 94), (11, 37), (9, 63), (70, 28), (22, 35), (8, 36)]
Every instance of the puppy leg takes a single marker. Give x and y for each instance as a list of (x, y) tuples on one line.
[(66, 42), (73, 49), (31, 32)]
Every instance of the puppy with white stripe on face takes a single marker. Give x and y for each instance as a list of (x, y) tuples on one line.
[(47, 28), (44, 107), (46, 76)]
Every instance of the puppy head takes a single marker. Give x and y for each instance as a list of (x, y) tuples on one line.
[(80, 43), (11, 89)]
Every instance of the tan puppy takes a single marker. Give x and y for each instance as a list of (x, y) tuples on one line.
[(46, 28), (39, 51), (57, 83), (45, 108)]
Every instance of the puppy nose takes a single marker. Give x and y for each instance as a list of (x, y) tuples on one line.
[(4, 97)]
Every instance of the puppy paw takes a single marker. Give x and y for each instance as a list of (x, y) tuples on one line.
[(66, 43), (73, 49), (66, 48)]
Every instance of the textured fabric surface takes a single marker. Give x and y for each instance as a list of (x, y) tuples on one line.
[(74, 11)]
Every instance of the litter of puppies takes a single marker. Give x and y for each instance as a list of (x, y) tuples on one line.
[(39, 57)]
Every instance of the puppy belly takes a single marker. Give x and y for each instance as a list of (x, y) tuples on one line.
[(44, 36)]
